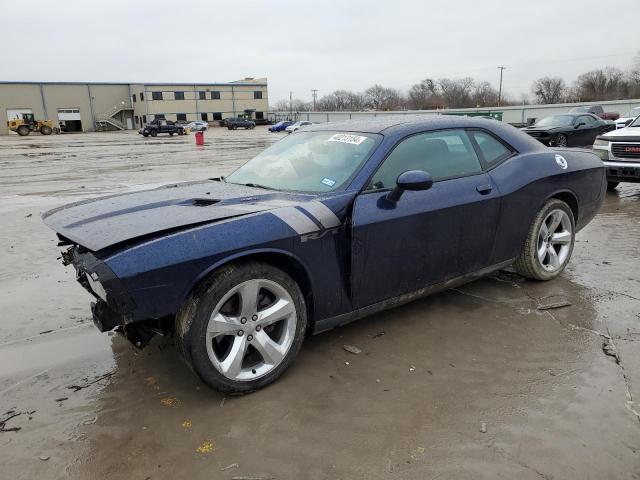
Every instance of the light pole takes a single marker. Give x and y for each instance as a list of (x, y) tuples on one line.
[(501, 68)]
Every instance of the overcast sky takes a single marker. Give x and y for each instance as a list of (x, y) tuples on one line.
[(326, 45)]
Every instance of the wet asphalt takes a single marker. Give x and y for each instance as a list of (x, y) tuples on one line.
[(472, 383)]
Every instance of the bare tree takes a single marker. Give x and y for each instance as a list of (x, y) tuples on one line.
[(341, 100), (456, 93), (602, 84), (382, 98), (484, 95), (424, 95), (549, 90), (280, 106)]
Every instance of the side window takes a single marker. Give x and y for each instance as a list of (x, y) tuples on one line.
[(492, 150), (443, 154)]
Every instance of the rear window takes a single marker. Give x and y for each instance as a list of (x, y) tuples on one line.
[(492, 150)]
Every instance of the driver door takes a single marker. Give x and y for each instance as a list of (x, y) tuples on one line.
[(428, 236)]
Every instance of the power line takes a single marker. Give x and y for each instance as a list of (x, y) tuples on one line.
[(314, 93)]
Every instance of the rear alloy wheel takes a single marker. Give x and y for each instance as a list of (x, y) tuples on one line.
[(549, 243), (611, 186), (242, 327), (561, 141)]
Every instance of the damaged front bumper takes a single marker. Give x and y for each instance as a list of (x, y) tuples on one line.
[(113, 308)]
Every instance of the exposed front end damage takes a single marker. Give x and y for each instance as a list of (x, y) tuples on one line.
[(113, 308)]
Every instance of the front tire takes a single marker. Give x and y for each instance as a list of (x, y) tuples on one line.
[(562, 141), (154, 133), (242, 327), (549, 243), (46, 130), (23, 130), (611, 186)]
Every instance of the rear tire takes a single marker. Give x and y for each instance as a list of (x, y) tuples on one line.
[(46, 130), (611, 186), (549, 243), (23, 130), (208, 327)]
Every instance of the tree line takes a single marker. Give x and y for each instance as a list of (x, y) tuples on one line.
[(608, 83)]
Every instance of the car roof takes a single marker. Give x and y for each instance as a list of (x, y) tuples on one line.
[(408, 124)]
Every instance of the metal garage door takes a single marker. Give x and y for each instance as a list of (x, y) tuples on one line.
[(16, 113), (65, 114)]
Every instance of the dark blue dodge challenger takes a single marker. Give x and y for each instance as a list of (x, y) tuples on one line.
[(326, 226)]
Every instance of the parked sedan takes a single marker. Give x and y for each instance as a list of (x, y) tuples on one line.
[(294, 127), (328, 225), (569, 130), (620, 151), (198, 126), (280, 126)]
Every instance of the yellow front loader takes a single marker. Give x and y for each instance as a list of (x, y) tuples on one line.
[(27, 124)]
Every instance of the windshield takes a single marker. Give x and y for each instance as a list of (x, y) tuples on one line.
[(307, 162), (635, 123), (633, 113), (556, 121), (584, 109)]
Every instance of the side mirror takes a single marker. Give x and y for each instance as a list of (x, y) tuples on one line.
[(579, 125), (411, 180)]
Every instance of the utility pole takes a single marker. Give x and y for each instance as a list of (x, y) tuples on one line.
[(314, 92), (501, 68), (290, 105)]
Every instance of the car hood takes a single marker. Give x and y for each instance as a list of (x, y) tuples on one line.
[(103, 222), (533, 128), (624, 132)]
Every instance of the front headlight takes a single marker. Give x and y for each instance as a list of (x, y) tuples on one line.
[(601, 143), (96, 286), (603, 154)]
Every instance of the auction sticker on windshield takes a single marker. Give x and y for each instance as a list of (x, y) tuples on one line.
[(346, 138)]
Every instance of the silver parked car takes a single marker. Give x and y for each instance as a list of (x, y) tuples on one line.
[(197, 126)]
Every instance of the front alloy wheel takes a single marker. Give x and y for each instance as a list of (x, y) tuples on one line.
[(561, 141), (251, 330), (242, 327)]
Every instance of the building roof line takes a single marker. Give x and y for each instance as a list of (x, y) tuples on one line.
[(213, 84)]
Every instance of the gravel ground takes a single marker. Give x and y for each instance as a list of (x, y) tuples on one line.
[(472, 383)]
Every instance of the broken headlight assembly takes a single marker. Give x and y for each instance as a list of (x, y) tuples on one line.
[(96, 286)]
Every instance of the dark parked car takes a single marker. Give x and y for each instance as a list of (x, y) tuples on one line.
[(235, 123), (596, 110), (327, 225), (280, 126), (569, 129), (161, 126)]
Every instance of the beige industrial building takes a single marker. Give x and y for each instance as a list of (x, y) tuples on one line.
[(83, 107)]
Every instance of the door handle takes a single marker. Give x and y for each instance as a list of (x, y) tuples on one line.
[(484, 189)]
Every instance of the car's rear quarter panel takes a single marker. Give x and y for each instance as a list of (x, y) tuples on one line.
[(527, 181)]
